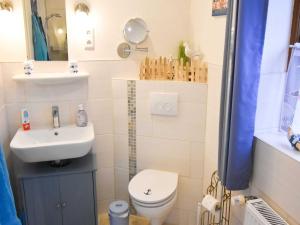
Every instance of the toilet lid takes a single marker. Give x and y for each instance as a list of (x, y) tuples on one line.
[(152, 186)]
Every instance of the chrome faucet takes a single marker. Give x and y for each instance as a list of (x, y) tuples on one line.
[(55, 116)]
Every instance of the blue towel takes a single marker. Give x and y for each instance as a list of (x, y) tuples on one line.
[(8, 214), (39, 39)]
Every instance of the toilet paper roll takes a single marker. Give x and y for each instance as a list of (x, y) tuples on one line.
[(210, 203)]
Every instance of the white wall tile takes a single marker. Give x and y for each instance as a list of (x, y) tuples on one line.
[(121, 151), (144, 121), (197, 159), (189, 193), (119, 88), (212, 122), (145, 87), (104, 149), (128, 68), (163, 154), (101, 114), (120, 116), (105, 184), (121, 183), (99, 80), (189, 124), (14, 92), (188, 91), (64, 92)]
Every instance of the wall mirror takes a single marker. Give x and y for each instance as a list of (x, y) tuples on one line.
[(46, 30), (135, 31)]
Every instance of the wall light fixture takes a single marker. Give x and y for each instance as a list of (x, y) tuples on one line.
[(6, 5), (82, 8)]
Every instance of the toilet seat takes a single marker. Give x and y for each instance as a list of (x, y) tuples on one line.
[(155, 205), (153, 188)]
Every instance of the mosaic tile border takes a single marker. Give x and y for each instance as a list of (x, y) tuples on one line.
[(131, 95), (131, 106)]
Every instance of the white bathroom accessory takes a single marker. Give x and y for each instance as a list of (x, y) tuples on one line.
[(153, 194), (28, 67), (73, 67), (211, 204), (81, 117), (38, 145), (51, 78), (25, 119), (164, 104)]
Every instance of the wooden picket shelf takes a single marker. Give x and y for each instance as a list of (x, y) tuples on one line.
[(170, 69)]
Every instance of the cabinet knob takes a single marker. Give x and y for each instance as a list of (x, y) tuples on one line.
[(64, 204), (58, 205)]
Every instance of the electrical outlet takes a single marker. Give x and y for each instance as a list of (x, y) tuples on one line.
[(89, 39)]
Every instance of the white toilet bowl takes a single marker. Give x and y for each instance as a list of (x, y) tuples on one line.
[(153, 194)]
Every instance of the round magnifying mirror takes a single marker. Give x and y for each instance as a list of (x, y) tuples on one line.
[(135, 31)]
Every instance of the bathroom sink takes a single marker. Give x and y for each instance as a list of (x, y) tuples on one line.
[(38, 145)]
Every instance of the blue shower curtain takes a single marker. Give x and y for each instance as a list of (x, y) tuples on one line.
[(8, 215), (241, 73)]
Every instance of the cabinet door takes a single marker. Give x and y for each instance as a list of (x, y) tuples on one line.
[(42, 201), (78, 199)]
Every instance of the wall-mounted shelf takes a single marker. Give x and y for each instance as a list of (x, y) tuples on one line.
[(51, 78)]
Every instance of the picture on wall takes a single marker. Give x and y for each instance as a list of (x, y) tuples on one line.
[(219, 7)]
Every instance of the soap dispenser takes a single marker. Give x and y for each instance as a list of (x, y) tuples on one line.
[(81, 118)]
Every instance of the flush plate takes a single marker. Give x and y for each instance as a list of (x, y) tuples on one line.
[(163, 103)]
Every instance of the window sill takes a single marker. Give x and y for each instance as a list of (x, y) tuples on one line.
[(279, 141)]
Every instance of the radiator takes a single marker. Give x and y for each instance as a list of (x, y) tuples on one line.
[(259, 212)]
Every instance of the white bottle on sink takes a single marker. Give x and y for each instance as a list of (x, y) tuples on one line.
[(81, 117)]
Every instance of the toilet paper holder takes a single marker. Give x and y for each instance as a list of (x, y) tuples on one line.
[(219, 211)]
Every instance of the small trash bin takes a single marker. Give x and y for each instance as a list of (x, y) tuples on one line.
[(119, 213)]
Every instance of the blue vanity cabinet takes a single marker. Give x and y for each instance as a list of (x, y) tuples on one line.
[(42, 199), (77, 195), (57, 196)]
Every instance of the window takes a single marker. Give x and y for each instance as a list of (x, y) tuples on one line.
[(295, 32), (291, 104)]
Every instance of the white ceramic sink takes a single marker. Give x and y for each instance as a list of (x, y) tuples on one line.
[(38, 145)]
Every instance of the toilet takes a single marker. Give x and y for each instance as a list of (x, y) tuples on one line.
[(153, 194)]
